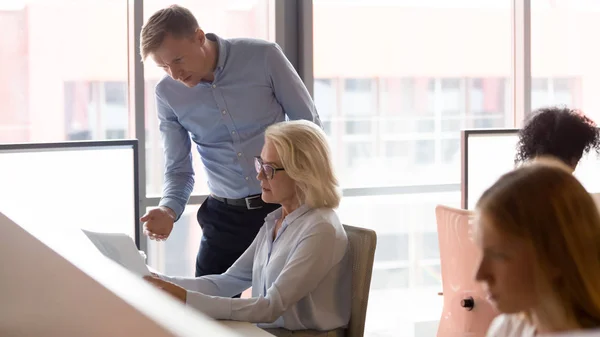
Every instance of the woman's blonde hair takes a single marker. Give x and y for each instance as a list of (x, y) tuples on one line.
[(544, 204), (305, 155)]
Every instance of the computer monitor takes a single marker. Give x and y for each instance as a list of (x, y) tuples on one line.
[(488, 154), (91, 185)]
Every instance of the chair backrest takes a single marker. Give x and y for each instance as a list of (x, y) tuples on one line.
[(362, 243), (459, 258)]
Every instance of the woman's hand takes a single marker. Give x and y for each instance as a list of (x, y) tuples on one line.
[(171, 288)]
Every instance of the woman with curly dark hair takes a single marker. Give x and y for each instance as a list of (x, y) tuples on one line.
[(561, 132)]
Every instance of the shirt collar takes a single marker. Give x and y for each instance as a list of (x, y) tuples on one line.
[(276, 214), (222, 53), (296, 214)]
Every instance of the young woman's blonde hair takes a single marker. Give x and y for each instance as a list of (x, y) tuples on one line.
[(544, 204), (305, 155)]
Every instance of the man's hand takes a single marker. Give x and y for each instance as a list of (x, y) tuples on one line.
[(158, 223), (170, 288)]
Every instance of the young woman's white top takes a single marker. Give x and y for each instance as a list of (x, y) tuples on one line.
[(510, 326)]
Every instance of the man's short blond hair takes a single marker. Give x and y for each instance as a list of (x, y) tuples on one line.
[(305, 155), (174, 20)]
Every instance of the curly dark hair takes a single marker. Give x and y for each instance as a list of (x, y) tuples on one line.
[(560, 132)]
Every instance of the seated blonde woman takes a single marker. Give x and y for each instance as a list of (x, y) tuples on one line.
[(298, 265), (539, 234)]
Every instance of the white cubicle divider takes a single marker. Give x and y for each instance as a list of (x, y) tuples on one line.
[(55, 283)]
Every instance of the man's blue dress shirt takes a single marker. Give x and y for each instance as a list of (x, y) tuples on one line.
[(254, 86)]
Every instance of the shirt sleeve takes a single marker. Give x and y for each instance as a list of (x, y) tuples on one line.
[(234, 281), (179, 173), (305, 269), (288, 87)]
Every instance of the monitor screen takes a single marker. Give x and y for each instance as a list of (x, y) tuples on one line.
[(488, 154), (88, 185)]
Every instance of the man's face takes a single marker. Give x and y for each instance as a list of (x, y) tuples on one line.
[(185, 59)]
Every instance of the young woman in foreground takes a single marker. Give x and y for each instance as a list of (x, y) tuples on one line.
[(539, 234)]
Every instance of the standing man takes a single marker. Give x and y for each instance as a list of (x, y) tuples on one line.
[(223, 93)]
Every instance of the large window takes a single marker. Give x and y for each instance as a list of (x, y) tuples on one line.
[(564, 61), (394, 91), (246, 18), (59, 83)]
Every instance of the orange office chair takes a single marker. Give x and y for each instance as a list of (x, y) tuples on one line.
[(466, 310)]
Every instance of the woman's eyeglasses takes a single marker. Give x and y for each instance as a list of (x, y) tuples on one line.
[(267, 170)]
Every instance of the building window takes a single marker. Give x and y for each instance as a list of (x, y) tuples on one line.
[(452, 97), (115, 134), (79, 135), (390, 278), (553, 91), (358, 127), (362, 85), (430, 248), (392, 247), (450, 151), (115, 93), (487, 102), (95, 110), (77, 98), (424, 152), (358, 98), (428, 275), (397, 149), (358, 153)]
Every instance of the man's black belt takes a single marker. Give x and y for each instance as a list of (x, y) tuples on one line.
[(251, 202)]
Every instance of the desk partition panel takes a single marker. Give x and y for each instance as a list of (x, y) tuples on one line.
[(90, 185), (57, 283)]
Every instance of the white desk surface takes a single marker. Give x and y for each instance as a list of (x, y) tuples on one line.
[(246, 329), (59, 284)]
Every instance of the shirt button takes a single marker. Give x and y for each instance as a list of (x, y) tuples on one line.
[(224, 112), (214, 86), (239, 154), (233, 132), (247, 178)]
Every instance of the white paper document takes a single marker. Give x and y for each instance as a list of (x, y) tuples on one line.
[(121, 249)]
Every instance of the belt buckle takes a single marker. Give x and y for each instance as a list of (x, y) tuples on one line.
[(248, 201)]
